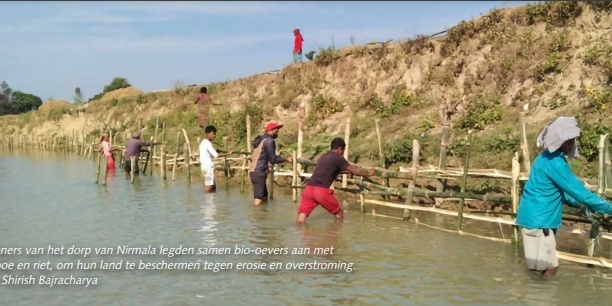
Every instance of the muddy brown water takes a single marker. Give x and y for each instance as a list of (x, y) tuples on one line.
[(51, 198)]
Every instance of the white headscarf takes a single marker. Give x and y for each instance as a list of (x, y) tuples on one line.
[(558, 132)]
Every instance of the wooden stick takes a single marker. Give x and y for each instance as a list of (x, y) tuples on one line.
[(188, 149), (162, 162), (248, 133), (153, 149), (98, 169), (347, 135), (295, 176), (187, 162), (524, 144), (381, 154), (301, 113), (133, 169), (444, 144), (225, 165), (515, 192), (178, 146), (464, 180), (601, 185), (105, 165)]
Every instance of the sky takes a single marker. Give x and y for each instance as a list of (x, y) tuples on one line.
[(50, 48)]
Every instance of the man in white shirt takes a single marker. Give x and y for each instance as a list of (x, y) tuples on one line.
[(207, 153)]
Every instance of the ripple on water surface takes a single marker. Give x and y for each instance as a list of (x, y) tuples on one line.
[(51, 198)]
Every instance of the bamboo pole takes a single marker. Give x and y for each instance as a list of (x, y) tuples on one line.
[(98, 169), (188, 149), (178, 146), (248, 133), (464, 180), (149, 158), (381, 154), (271, 177), (153, 149), (515, 192), (105, 165), (225, 164), (164, 132), (133, 168), (347, 135), (242, 172), (162, 161), (295, 173), (523, 141), (444, 145), (301, 113), (608, 170), (187, 162), (416, 148), (601, 185)]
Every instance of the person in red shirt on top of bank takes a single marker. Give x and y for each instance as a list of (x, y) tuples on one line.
[(297, 46), (318, 189)]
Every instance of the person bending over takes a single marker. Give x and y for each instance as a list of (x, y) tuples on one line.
[(551, 184), (318, 191)]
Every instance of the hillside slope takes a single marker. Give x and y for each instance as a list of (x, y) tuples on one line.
[(555, 58)]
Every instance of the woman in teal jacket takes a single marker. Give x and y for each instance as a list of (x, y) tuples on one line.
[(551, 184)]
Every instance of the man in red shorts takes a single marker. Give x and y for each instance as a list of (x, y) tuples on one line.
[(318, 191)]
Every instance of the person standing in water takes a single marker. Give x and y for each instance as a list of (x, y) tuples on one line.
[(297, 46), (264, 153), (105, 148), (551, 184), (318, 190), (207, 153), (133, 148)]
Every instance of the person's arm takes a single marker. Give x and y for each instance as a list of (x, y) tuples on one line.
[(573, 187), (211, 150), (222, 153), (567, 199), (270, 147), (357, 171)]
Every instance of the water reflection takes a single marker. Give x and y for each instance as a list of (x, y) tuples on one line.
[(48, 199), (315, 237), (540, 292), (208, 229)]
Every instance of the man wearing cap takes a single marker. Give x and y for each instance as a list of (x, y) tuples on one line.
[(133, 148), (551, 184), (264, 153), (318, 191)]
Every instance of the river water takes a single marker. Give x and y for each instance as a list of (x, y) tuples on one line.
[(51, 199)]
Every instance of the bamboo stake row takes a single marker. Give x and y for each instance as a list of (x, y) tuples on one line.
[(86, 145)]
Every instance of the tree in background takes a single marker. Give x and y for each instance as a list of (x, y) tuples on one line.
[(7, 92), (24, 102), (16, 102), (117, 83), (78, 96)]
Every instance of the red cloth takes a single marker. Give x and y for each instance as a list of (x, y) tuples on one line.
[(314, 196), (110, 163), (297, 44)]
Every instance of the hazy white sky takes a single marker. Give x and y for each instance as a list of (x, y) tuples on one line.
[(49, 48)]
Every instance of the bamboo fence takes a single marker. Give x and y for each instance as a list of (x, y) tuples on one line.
[(158, 156)]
